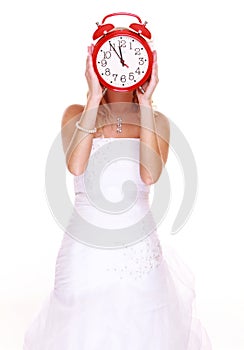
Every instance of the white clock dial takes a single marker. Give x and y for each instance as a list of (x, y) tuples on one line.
[(122, 61)]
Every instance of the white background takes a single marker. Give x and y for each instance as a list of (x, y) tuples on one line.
[(200, 54)]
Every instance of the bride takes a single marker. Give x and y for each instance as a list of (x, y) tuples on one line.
[(114, 287)]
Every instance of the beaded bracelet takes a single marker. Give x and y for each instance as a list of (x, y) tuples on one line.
[(90, 131)]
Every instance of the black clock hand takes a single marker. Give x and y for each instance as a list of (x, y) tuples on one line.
[(121, 58), (115, 50)]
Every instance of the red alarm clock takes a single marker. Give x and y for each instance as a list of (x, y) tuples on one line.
[(122, 58)]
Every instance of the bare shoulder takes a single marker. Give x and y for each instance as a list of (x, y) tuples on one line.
[(162, 125), (72, 112), (160, 118)]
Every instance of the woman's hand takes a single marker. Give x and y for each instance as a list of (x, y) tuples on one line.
[(150, 85), (95, 89)]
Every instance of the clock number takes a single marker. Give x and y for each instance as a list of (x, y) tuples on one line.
[(131, 76), (107, 54), (122, 43), (141, 60), (112, 46), (137, 51), (107, 71), (123, 78), (138, 71), (103, 63), (115, 76)]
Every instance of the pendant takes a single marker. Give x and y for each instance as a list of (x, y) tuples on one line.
[(119, 125)]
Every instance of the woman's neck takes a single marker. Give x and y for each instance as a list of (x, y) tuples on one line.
[(115, 96), (119, 102)]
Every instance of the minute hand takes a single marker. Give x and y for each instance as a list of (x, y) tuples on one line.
[(121, 58), (115, 51)]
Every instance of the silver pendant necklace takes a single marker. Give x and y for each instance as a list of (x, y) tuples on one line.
[(119, 125)]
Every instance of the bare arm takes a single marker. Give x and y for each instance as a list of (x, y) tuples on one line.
[(76, 143), (154, 133)]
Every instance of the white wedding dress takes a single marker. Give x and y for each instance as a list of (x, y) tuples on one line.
[(131, 297)]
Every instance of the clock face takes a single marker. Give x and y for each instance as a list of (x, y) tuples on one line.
[(122, 60)]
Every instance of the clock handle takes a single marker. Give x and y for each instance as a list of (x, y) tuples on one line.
[(121, 14), (105, 28), (138, 27)]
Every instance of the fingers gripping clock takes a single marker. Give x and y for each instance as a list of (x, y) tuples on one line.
[(122, 58)]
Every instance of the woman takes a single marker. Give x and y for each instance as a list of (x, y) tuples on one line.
[(77, 157), (116, 291)]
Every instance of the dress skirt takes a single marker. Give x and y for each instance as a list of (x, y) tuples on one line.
[(137, 296)]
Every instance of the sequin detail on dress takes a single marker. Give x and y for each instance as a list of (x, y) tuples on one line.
[(139, 259)]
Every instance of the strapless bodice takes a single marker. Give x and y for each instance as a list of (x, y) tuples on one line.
[(111, 196), (113, 162)]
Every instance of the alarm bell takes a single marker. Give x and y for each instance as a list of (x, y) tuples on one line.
[(102, 30), (141, 29)]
